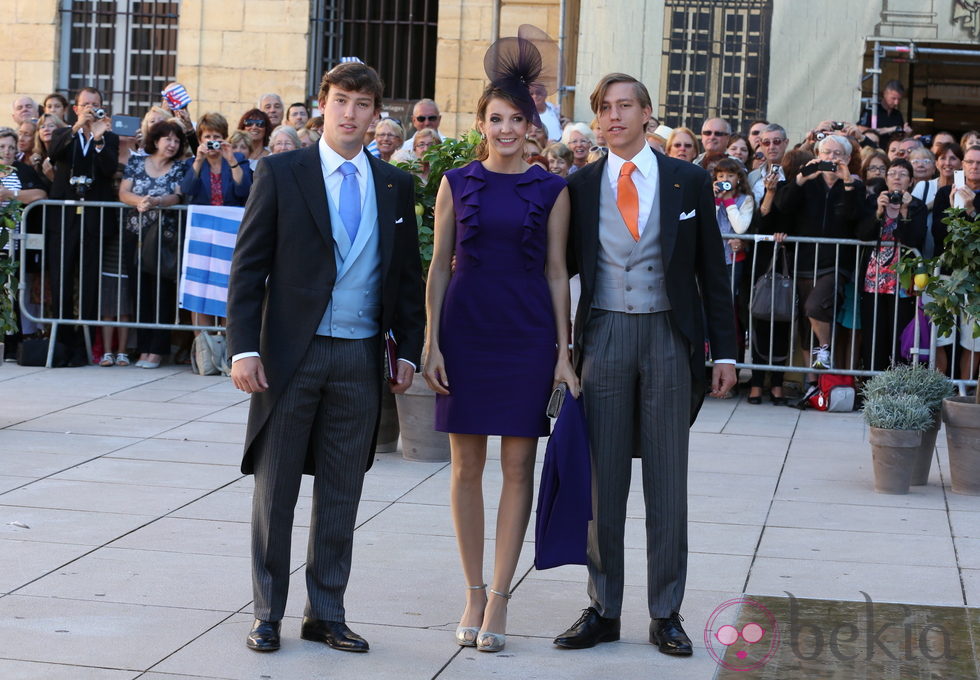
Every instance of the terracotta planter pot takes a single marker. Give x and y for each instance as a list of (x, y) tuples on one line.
[(388, 428), (894, 453), (962, 418), (416, 417), (923, 463)]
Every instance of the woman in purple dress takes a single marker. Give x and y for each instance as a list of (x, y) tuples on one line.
[(497, 333)]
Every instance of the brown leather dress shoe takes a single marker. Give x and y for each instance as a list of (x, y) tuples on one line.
[(264, 636), (670, 637), (333, 633), (588, 631)]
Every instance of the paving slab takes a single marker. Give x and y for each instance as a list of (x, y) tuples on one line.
[(66, 526), (99, 496), (215, 583), (99, 634), (89, 446), (24, 561), (868, 518), (152, 473), (33, 670), (179, 451)]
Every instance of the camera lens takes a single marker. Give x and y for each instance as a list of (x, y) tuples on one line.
[(99, 114)]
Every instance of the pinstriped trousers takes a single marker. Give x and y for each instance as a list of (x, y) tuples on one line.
[(330, 408), (636, 379)]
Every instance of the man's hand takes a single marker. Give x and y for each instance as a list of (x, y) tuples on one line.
[(100, 127), (404, 378), (86, 117), (723, 379), (248, 375)]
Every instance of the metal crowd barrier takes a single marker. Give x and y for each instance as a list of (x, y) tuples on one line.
[(77, 255), (89, 243), (846, 326)]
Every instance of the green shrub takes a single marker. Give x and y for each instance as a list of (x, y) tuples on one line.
[(897, 412), (929, 386)]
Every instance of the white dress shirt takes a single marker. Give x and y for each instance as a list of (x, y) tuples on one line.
[(551, 121), (646, 179), (330, 162)]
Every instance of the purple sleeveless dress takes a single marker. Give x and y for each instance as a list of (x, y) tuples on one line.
[(497, 331)]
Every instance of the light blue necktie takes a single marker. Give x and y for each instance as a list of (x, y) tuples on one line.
[(350, 199)]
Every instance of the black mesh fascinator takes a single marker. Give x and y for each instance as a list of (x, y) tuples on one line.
[(514, 64)]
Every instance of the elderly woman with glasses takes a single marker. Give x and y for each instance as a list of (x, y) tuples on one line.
[(388, 138), (256, 123), (579, 138), (284, 138), (683, 144)]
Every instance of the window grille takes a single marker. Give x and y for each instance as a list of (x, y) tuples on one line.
[(396, 37), (126, 48), (715, 60)]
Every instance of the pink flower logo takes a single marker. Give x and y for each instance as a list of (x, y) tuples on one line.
[(753, 645)]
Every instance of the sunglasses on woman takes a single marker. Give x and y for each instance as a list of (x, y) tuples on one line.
[(254, 122)]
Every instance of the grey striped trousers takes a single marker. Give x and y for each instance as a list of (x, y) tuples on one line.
[(636, 379), (330, 409)]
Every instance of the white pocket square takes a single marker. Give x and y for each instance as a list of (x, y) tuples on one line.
[(399, 220), (687, 216)]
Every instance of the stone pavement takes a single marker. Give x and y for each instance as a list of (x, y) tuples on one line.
[(124, 551)]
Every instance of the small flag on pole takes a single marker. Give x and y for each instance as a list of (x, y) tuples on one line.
[(208, 247), (176, 96)]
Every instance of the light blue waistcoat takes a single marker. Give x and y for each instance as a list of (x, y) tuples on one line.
[(354, 310)]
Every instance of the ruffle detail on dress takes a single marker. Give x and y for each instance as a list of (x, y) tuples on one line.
[(529, 188), (469, 205)]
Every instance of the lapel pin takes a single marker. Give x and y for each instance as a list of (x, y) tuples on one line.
[(389, 186), (677, 186)]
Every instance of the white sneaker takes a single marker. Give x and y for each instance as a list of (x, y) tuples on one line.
[(821, 357), (107, 359)]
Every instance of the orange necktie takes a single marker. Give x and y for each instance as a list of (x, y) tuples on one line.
[(628, 201)]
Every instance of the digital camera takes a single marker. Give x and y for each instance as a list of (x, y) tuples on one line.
[(723, 186), (98, 113), (212, 144), (895, 197)]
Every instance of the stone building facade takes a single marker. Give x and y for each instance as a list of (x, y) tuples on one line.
[(786, 60)]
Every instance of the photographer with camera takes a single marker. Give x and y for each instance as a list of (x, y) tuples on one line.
[(896, 218), (84, 157), (772, 144), (216, 175), (826, 201)]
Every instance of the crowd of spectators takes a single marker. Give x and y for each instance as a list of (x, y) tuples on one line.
[(873, 179)]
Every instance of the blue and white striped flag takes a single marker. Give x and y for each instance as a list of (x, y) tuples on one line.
[(208, 246)]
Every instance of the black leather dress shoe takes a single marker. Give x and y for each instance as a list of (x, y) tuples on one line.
[(334, 633), (589, 630), (670, 637), (264, 636)]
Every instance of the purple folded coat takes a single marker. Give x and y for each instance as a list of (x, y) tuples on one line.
[(565, 495)]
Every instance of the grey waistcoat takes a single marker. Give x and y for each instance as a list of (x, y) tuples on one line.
[(630, 274)]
